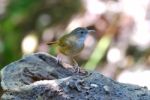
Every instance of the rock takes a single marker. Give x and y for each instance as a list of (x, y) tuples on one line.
[(39, 66), (39, 77)]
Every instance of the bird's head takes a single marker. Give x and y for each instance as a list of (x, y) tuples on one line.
[(81, 32)]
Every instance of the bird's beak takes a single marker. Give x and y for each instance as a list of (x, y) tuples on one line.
[(91, 31)]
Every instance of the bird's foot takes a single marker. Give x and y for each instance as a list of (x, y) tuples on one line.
[(78, 69), (59, 59)]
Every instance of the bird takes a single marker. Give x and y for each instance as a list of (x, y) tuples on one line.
[(72, 44)]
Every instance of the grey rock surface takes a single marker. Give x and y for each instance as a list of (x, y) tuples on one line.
[(39, 77)]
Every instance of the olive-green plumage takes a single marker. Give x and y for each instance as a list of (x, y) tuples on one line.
[(71, 44)]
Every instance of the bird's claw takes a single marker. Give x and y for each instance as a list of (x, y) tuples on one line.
[(59, 59), (77, 68)]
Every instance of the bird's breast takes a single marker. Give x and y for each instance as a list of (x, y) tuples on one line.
[(72, 48)]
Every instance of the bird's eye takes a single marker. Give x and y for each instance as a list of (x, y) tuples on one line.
[(82, 32)]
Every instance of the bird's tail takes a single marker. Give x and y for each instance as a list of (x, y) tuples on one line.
[(51, 43)]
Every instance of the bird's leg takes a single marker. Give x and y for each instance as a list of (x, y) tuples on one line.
[(78, 68), (59, 59), (75, 64)]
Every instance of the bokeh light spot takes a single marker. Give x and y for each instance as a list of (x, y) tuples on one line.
[(29, 44), (114, 55)]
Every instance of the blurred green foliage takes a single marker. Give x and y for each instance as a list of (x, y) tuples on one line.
[(22, 16)]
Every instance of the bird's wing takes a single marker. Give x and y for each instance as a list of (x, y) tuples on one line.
[(66, 41)]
